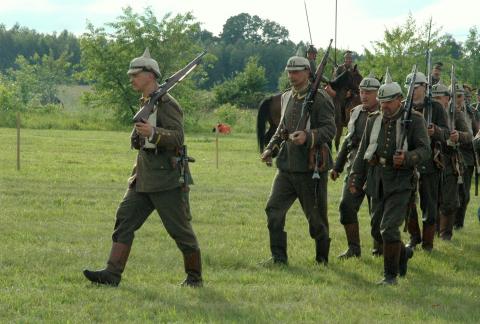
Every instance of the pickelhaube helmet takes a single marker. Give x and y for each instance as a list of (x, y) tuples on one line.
[(144, 63), (389, 90), (369, 83), (440, 90), (297, 63), (458, 89), (420, 78)]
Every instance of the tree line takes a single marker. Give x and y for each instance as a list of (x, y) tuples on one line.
[(243, 64)]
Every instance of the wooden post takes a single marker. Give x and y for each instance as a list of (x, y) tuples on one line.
[(18, 141), (216, 145)]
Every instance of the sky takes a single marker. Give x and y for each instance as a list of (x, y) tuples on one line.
[(359, 22)]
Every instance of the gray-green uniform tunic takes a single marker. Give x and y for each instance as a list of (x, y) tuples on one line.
[(389, 188), (350, 203), (429, 181), (294, 176), (155, 183)]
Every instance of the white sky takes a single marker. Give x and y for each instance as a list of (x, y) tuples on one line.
[(359, 21)]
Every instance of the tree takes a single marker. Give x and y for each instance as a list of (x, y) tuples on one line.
[(246, 89), (106, 55)]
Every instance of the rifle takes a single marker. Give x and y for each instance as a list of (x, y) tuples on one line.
[(428, 98), (452, 112), (407, 111), (309, 99), (184, 159), (167, 85)]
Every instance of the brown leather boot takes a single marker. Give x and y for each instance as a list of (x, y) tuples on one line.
[(413, 229), (391, 258), (353, 239), (428, 236), (112, 274), (446, 226), (193, 269)]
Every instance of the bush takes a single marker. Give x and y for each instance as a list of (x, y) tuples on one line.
[(227, 113)]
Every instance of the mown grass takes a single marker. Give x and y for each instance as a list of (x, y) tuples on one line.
[(57, 216)]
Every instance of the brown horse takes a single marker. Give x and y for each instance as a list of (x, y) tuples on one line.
[(269, 109)]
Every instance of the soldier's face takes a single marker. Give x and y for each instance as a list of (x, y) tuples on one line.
[(348, 60), (460, 100), (298, 79), (368, 98), (390, 108), (443, 100), (436, 73), (140, 81), (419, 94)]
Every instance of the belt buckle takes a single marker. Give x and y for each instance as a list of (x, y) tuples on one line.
[(382, 161)]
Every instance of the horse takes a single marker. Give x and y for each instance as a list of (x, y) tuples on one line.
[(269, 109)]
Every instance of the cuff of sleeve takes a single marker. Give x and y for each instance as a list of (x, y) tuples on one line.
[(155, 138), (411, 159)]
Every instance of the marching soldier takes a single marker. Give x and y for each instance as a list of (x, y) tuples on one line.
[(387, 173), (468, 156), (436, 72), (430, 169), (453, 171), (346, 65), (350, 203), (441, 94), (155, 182), (292, 144)]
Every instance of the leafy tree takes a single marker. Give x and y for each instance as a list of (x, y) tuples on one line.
[(172, 41), (246, 89)]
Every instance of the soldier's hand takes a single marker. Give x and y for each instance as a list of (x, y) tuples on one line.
[(144, 128), (454, 136), (353, 190), (267, 157), (334, 175), (398, 159), (332, 93), (298, 137), (431, 129)]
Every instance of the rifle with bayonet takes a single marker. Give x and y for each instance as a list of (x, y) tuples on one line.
[(143, 114), (428, 97), (452, 114), (407, 112)]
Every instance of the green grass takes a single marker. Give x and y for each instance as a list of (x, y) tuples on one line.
[(57, 216)]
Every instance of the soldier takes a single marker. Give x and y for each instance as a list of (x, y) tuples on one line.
[(468, 156), (350, 204), (430, 169), (312, 56), (292, 145), (441, 94), (436, 72), (453, 166), (155, 182), (386, 167), (347, 64)]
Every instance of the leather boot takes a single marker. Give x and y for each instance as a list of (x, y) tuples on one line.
[(446, 226), (413, 229), (353, 239), (391, 258), (278, 247), (377, 249), (322, 247), (112, 274), (406, 253), (428, 236), (193, 269)]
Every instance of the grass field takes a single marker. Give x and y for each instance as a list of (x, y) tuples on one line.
[(57, 216)]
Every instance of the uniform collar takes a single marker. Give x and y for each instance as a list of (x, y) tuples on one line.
[(300, 94)]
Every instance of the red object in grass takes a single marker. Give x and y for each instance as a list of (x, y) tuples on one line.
[(223, 128)]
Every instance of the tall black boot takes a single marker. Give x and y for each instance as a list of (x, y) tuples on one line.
[(278, 247), (391, 258), (353, 238), (322, 247), (193, 269), (406, 253), (112, 274)]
